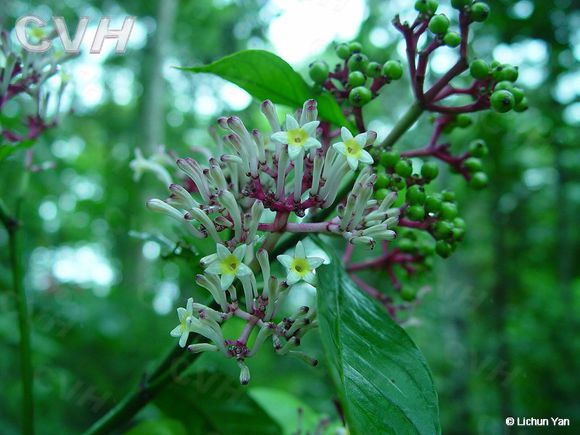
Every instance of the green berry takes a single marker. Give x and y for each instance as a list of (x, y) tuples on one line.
[(432, 204), (359, 96), (426, 6), (416, 213), (318, 71), (478, 148), (497, 71), (452, 39), (503, 86), (404, 168), (409, 293), (443, 249), (442, 230), (522, 106), (479, 69), (398, 183), (495, 63), (432, 5), (415, 195), (479, 12), (473, 164), (509, 73), (382, 181), (355, 47), (389, 158), (463, 120), (447, 195), (502, 101), (393, 70), (459, 223), (356, 78), (406, 245), (429, 170), (518, 94), (374, 69), (460, 4), (457, 233), (439, 24), (479, 180), (358, 62), (425, 247), (381, 194), (343, 51), (448, 211)]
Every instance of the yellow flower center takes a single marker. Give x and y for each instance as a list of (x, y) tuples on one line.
[(230, 265), (297, 137), (300, 266), (183, 325), (353, 148)]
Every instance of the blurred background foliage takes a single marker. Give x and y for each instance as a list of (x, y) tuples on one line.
[(500, 324)]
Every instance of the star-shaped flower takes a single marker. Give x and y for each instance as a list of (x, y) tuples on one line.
[(298, 137), (185, 316), (229, 265), (353, 148), (299, 267)]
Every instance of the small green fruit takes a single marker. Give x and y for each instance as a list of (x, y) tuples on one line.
[(447, 195), (398, 183), (460, 4), (429, 170), (522, 106), (463, 120), (415, 195), (433, 204), (356, 78), (452, 39), (448, 210), (509, 73), (408, 293), (389, 158), (479, 12), (393, 70), (479, 180), (479, 69), (518, 94), (443, 249), (382, 181), (374, 69), (343, 51), (359, 96), (355, 47), (478, 148), (473, 164), (442, 230), (318, 71), (439, 24), (502, 101), (406, 245), (381, 194), (416, 213), (404, 168), (358, 62)]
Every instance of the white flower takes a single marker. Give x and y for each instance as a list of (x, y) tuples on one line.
[(229, 265), (185, 316), (353, 148), (140, 164), (299, 267), (298, 137)]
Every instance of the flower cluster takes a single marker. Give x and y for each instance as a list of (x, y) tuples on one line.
[(259, 186)]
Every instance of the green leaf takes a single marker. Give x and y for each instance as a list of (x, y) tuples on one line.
[(162, 426), (211, 402), (283, 407), (266, 76), (383, 379)]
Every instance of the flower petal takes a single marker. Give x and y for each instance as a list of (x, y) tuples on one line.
[(361, 139), (181, 313), (176, 332), (314, 262), (299, 252), (340, 147), (291, 123), (309, 277), (226, 280), (293, 278), (240, 252), (285, 260), (365, 157), (312, 143), (310, 128), (183, 339), (345, 134), (189, 307), (294, 151), (244, 270), (280, 136), (222, 251), (352, 162), (214, 268)]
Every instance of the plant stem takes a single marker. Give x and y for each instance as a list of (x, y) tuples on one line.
[(402, 125), (26, 372)]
